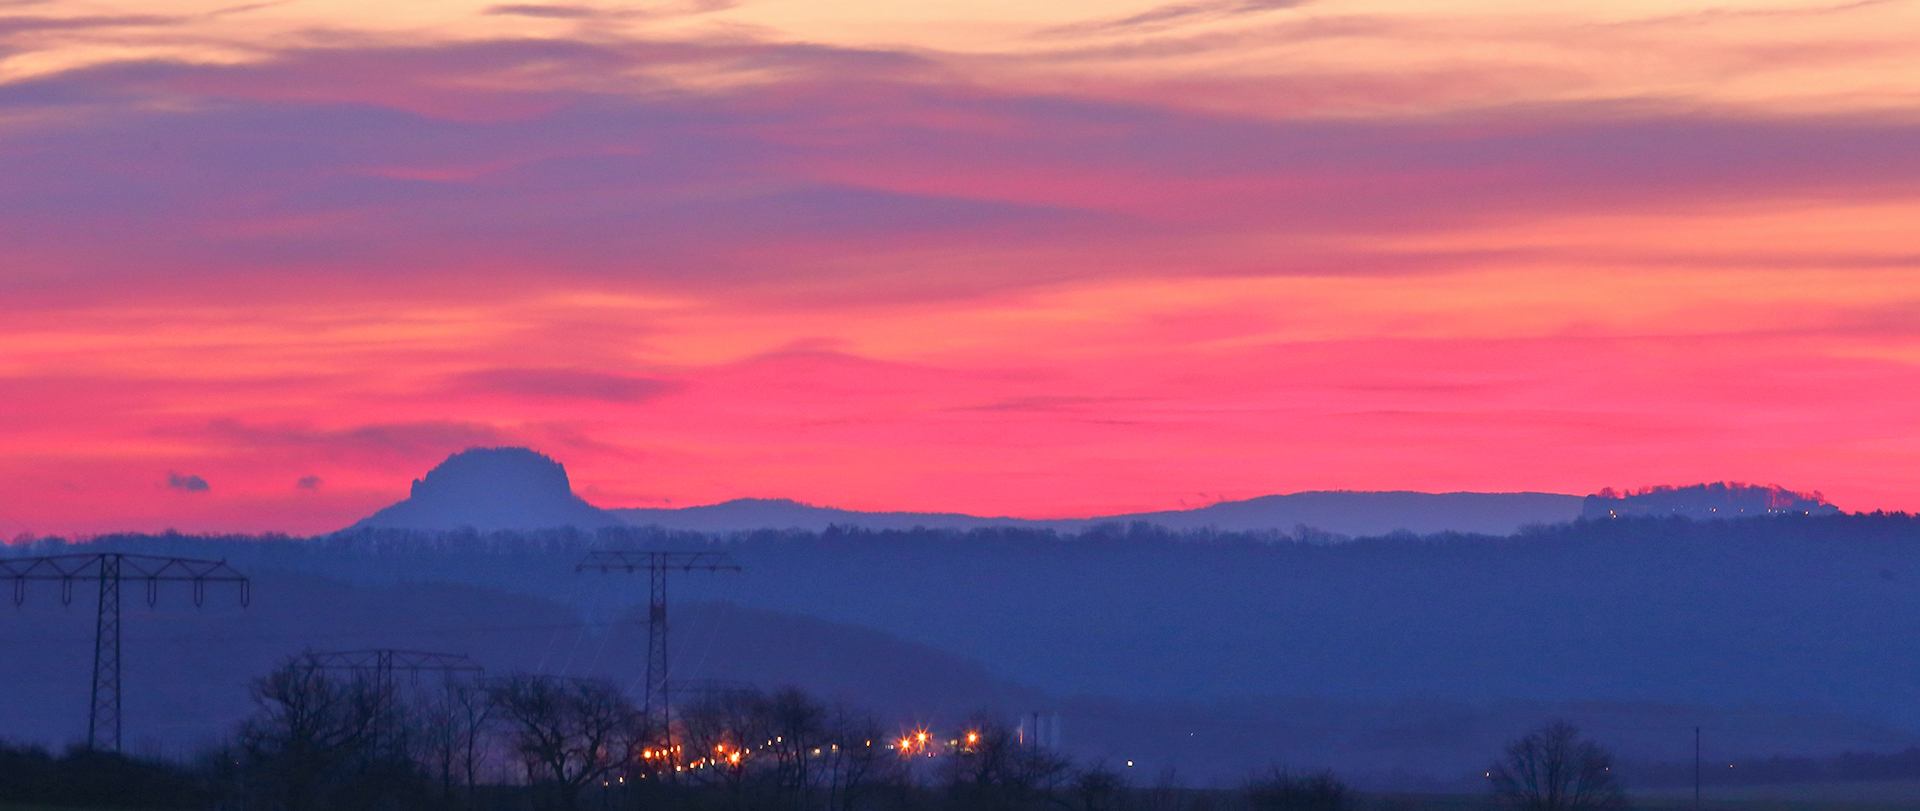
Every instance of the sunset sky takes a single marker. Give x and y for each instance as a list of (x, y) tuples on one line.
[(1011, 258)]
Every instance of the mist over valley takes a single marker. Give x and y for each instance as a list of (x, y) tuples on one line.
[(1400, 659)]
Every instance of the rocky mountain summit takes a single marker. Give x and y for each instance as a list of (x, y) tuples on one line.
[(492, 489)]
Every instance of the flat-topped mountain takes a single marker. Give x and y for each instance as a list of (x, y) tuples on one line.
[(491, 489)]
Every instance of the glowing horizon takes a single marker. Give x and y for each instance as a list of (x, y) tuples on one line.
[(1009, 259)]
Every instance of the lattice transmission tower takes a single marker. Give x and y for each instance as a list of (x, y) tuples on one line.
[(379, 664), (382, 662), (657, 565), (109, 569)]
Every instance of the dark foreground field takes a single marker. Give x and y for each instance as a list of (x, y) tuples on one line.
[(1879, 795), (1885, 795)]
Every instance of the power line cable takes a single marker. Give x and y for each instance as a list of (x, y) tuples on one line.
[(559, 626)]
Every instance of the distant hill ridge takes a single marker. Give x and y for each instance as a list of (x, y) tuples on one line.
[(518, 488), (1343, 512), (1705, 502)]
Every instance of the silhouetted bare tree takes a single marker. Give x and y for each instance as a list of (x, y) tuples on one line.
[(999, 772), (724, 733), (859, 765), (800, 745), (1168, 793), (569, 733), (312, 733), (1554, 769), (453, 728), (786, 750), (1098, 788), (1282, 790)]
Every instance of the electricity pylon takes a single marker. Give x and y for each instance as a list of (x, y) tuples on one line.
[(657, 564), (382, 662), (110, 568)]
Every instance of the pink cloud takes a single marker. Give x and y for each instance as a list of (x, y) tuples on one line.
[(569, 383), (353, 164), (419, 440), (862, 279)]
